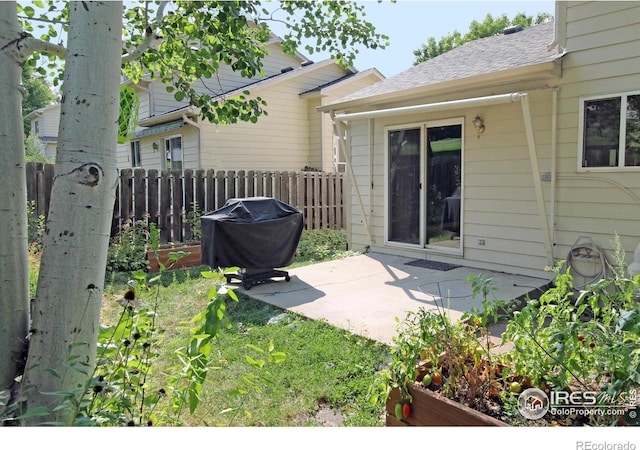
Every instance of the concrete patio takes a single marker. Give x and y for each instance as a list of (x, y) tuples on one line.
[(366, 293)]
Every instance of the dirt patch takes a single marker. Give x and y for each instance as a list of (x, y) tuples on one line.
[(324, 416)]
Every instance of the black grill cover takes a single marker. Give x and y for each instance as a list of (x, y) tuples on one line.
[(253, 232)]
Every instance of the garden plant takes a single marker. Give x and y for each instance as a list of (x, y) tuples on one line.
[(236, 361), (582, 343)]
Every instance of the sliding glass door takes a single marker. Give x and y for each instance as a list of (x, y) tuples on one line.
[(424, 185), (404, 185)]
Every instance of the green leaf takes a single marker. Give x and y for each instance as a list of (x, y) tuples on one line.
[(277, 357), (179, 96), (255, 363), (37, 411), (255, 347)]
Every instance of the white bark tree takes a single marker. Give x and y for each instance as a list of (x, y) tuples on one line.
[(14, 285), (76, 239), (178, 47)]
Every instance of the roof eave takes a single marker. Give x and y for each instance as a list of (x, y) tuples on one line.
[(536, 72), (190, 111)]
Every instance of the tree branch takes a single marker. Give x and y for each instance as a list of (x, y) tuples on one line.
[(32, 45), (150, 36)]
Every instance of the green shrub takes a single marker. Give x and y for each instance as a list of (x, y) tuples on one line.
[(321, 245), (35, 226), (128, 249)]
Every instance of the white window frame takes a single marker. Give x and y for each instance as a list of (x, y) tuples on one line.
[(620, 167), (423, 126), (136, 156), (165, 142)]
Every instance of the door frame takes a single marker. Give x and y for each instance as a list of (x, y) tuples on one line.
[(423, 126)]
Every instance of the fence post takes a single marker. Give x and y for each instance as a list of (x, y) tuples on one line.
[(308, 199), (140, 194), (242, 181), (211, 191), (259, 183), (187, 207), (165, 204), (177, 206), (200, 190), (268, 185), (126, 195), (277, 185), (331, 203), (220, 189), (152, 195), (251, 192)]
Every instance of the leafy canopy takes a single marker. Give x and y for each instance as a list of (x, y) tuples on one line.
[(477, 30), (185, 43)]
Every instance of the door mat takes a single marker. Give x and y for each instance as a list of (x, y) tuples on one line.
[(435, 265)]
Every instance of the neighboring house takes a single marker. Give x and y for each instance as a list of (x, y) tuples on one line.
[(44, 125), (505, 153), (292, 136)]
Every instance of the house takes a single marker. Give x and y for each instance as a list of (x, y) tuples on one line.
[(509, 153), (44, 125), (293, 135)]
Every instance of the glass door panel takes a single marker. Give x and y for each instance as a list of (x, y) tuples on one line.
[(444, 185), (404, 186)]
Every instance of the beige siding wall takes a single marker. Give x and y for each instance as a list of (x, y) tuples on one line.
[(500, 204), (225, 80), (144, 109), (603, 58), (317, 154), (281, 140), (50, 121), (278, 141), (154, 159), (499, 197), (342, 89)]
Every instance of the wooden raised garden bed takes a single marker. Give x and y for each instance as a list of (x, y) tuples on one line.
[(193, 259), (429, 408)]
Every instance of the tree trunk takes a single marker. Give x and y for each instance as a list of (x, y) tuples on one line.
[(66, 309), (14, 272)]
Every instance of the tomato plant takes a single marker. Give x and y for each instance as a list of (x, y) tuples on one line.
[(563, 339)]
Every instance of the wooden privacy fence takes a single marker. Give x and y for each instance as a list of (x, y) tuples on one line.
[(170, 198)]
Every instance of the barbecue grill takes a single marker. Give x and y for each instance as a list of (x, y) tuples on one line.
[(256, 234)]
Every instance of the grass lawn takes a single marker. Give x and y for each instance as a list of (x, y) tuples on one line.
[(324, 380)]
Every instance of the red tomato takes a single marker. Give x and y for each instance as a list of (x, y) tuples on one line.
[(406, 410), (436, 378)]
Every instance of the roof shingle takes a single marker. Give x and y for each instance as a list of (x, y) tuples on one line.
[(483, 56)]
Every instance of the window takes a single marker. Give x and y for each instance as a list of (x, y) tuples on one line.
[(135, 154), (173, 153), (36, 128), (610, 134)]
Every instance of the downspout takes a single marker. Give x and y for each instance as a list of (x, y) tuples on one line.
[(372, 128), (199, 127), (554, 151), (535, 169), (339, 130)]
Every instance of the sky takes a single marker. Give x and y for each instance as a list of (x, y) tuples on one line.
[(410, 23)]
